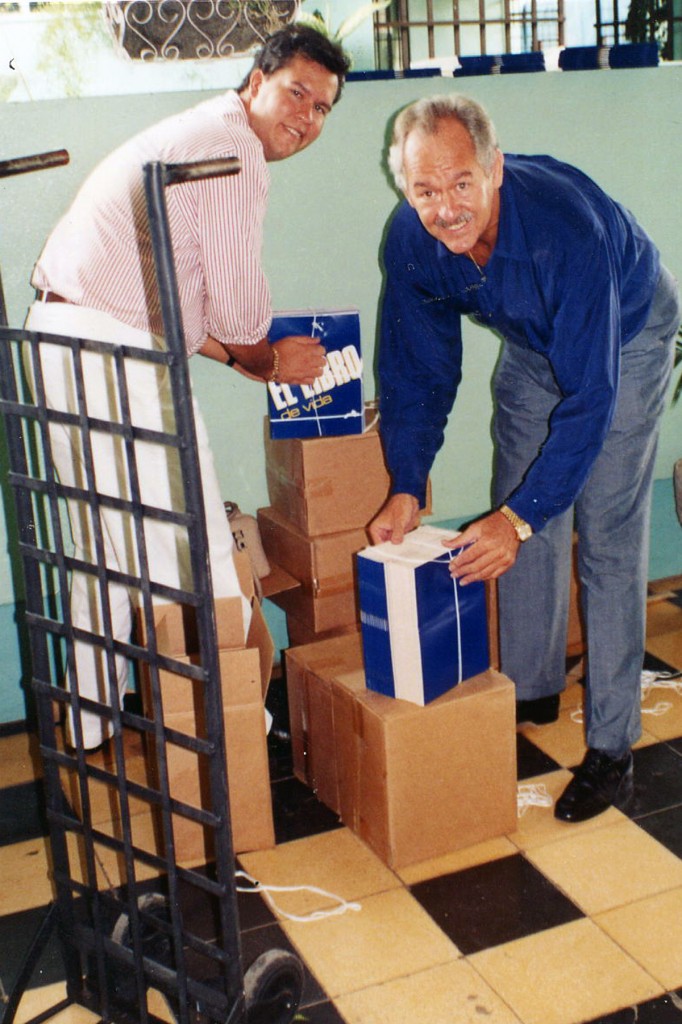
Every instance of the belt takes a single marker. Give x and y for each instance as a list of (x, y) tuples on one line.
[(42, 296)]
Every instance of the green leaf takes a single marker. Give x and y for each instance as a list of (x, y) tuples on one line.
[(354, 20)]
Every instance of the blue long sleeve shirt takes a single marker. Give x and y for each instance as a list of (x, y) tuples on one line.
[(572, 276)]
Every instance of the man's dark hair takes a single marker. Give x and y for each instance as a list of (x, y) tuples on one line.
[(294, 40)]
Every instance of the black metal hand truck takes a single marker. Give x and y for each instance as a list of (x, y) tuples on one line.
[(124, 909)]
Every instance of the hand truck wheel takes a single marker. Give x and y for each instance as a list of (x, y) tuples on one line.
[(273, 986), (156, 945)]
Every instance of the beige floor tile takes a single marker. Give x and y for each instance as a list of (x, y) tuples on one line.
[(667, 647), (481, 853), (662, 617), (25, 870), (451, 994), (564, 975), (390, 936), (38, 1000), (538, 826), (20, 759), (337, 862), (608, 867), (563, 740), (651, 932), (572, 696), (668, 724)]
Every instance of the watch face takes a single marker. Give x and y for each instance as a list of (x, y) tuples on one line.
[(524, 532)]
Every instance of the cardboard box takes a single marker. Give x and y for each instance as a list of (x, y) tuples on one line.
[(322, 612), (301, 632), (324, 566), (245, 671), (327, 484), (423, 632), (245, 675), (426, 781), (183, 710), (309, 671), (412, 782)]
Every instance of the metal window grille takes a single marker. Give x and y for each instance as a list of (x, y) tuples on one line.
[(410, 30)]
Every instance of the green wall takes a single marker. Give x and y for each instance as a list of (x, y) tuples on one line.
[(324, 228)]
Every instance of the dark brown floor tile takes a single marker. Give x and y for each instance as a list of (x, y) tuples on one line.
[(22, 812), (658, 779), (666, 827), (665, 1009), (530, 760), (298, 813), (494, 903)]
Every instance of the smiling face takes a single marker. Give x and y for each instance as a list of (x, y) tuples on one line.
[(287, 109), (456, 200)]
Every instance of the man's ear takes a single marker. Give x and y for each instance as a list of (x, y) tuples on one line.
[(498, 168), (256, 79)]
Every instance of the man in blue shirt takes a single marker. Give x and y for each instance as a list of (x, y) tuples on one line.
[(538, 252)]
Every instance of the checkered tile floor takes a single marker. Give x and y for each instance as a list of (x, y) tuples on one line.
[(553, 924)]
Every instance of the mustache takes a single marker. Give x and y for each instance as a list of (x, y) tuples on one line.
[(457, 222)]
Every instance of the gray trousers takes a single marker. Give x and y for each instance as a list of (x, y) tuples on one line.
[(611, 517)]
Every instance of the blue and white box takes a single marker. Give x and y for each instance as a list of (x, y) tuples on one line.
[(422, 632), (333, 405)]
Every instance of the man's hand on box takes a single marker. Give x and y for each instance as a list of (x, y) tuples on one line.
[(490, 547), (399, 515), (301, 359)]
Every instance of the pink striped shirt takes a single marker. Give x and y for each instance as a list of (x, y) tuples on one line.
[(99, 255)]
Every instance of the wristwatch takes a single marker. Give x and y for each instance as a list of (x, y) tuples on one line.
[(523, 529)]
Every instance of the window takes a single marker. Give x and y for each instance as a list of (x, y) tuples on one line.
[(409, 32)]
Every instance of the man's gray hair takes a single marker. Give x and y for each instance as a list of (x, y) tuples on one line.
[(426, 114)]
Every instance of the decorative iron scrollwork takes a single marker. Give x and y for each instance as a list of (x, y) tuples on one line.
[(194, 29)]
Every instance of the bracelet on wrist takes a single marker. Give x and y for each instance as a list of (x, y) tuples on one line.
[(273, 377)]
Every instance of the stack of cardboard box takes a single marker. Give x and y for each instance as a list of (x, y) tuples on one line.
[(323, 493), (413, 782), (245, 674), (245, 670)]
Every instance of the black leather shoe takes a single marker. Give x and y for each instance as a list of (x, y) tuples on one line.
[(599, 783), (540, 711)]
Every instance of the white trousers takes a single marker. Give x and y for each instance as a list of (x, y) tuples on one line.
[(160, 482)]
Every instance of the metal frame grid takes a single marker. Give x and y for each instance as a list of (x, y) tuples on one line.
[(123, 905), (395, 29)]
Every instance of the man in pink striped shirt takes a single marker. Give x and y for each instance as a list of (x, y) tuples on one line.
[(95, 279)]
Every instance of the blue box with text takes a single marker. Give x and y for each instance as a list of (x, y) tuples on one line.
[(333, 405)]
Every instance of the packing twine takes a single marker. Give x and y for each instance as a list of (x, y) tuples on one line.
[(315, 915), (649, 681), (459, 623), (532, 795), (312, 332), (375, 417)]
